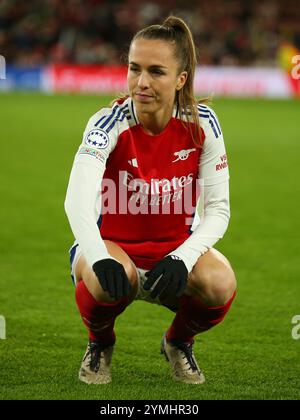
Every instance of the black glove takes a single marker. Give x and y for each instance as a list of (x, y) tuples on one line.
[(112, 277), (172, 274)]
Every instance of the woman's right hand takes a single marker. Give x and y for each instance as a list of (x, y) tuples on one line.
[(112, 278)]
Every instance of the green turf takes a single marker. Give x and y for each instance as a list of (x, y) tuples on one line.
[(250, 356)]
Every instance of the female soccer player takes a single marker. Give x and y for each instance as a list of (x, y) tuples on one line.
[(132, 197)]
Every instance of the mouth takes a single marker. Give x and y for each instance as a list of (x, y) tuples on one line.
[(143, 97)]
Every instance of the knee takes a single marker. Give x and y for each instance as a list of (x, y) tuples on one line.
[(131, 272), (93, 284), (223, 286), (215, 285), (120, 255)]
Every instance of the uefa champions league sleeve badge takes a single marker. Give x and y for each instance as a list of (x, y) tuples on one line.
[(97, 139)]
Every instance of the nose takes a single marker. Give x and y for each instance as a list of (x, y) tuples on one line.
[(143, 81)]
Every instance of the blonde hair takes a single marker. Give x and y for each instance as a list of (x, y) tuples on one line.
[(176, 31)]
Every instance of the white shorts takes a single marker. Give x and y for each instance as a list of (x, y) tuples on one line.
[(75, 253)]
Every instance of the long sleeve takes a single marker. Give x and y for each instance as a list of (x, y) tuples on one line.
[(81, 208), (213, 225), (213, 210), (83, 198)]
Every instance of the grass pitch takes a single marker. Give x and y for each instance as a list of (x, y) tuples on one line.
[(251, 355)]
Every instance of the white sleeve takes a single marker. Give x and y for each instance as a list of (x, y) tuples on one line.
[(214, 175), (213, 167), (212, 226), (82, 203)]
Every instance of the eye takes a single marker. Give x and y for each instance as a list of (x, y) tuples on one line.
[(134, 69), (157, 72)]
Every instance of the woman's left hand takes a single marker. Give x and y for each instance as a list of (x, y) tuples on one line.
[(167, 278)]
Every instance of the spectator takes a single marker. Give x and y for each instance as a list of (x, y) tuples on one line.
[(240, 33)]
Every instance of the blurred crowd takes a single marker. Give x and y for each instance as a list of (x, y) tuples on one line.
[(226, 32)]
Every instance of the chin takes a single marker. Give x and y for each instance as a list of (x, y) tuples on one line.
[(144, 108)]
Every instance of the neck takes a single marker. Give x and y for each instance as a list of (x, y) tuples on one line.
[(154, 123)]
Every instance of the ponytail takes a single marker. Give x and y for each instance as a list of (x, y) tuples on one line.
[(187, 57)]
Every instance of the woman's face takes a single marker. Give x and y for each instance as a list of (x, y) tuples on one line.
[(153, 77)]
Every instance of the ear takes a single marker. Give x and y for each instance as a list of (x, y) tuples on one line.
[(181, 79)]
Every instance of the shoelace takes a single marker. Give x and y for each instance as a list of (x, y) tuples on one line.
[(95, 350), (187, 350)]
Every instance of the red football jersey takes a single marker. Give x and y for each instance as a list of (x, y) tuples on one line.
[(157, 175)]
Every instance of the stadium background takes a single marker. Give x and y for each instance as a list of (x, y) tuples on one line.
[(49, 47)]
